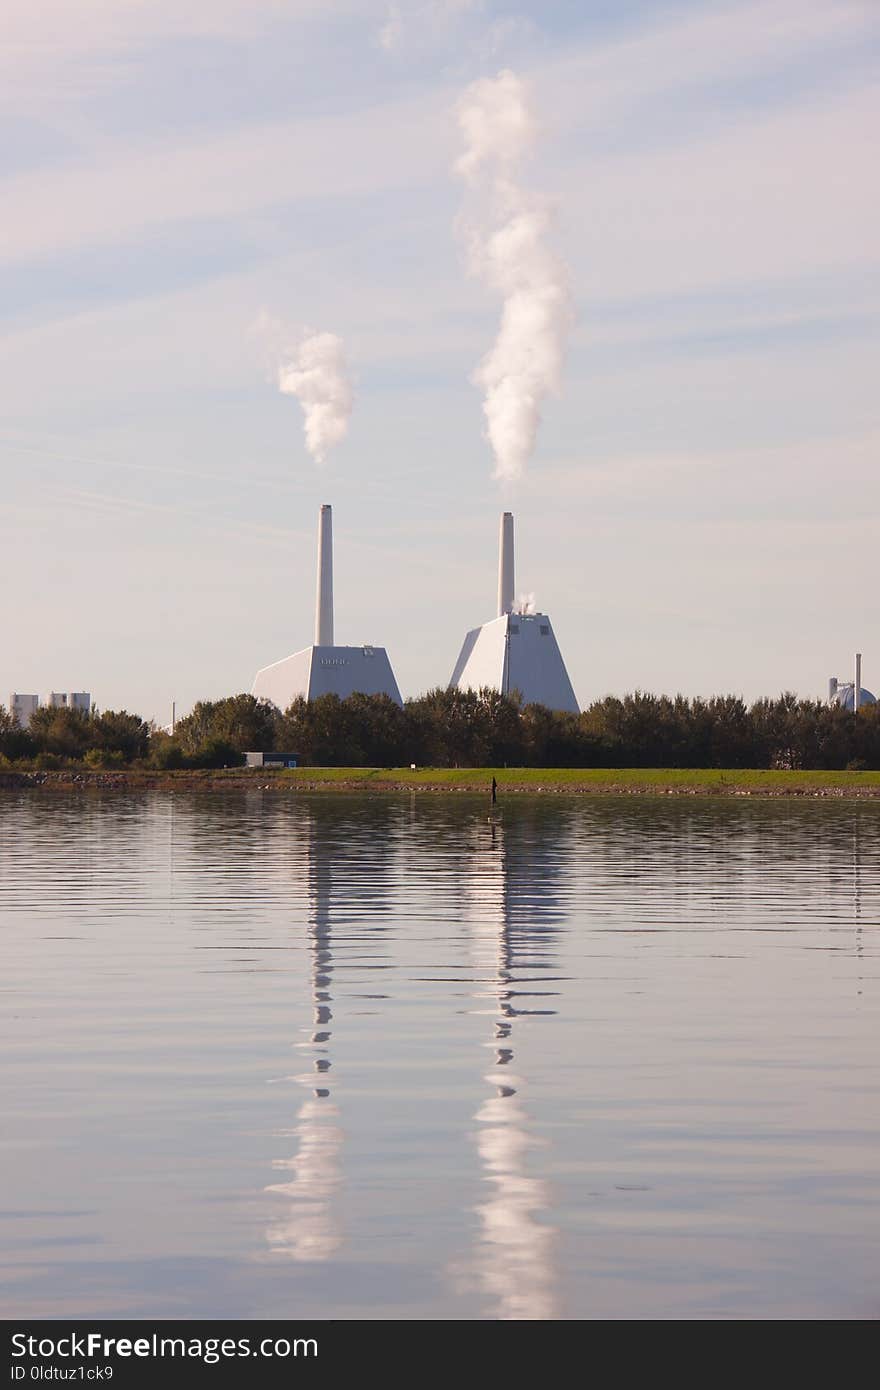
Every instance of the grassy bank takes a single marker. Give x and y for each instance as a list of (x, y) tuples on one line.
[(615, 780), (577, 781)]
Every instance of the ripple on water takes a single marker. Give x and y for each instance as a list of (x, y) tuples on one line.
[(384, 1057)]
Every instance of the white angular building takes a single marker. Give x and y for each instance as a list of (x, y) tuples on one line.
[(324, 668), (517, 651)]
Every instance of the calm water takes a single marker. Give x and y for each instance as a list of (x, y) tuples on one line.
[(343, 1057)]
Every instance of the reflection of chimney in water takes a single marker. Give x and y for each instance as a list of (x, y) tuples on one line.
[(514, 1253), (310, 1231)]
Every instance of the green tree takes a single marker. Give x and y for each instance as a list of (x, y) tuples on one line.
[(451, 728), (239, 722), (327, 731), (117, 731), (66, 733), (500, 718), (15, 742), (246, 723), (165, 751), (215, 752), (382, 729), (775, 733)]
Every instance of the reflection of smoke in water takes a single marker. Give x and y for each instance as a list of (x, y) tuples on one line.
[(310, 1230), (515, 1264), (513, 1258)]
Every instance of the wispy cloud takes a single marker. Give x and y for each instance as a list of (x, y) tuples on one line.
[(792, 481), (396, 143), (57, 47), (721, 225), (789, 186), (416, 23), (699, 45)]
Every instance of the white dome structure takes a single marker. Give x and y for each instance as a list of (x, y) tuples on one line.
[(852, 694), (844, 696)]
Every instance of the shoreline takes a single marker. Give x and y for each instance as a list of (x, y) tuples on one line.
[(474, 781)]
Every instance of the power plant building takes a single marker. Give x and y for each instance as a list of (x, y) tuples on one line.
[(517, 651), (324, 668), (21, 707), (70, 699), (852, 694)]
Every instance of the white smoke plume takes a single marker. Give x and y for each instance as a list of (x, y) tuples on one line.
[(314, 370), (318, 376), (510, 252)]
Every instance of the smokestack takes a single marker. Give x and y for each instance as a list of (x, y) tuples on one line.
[(857, 688), (324, 599), (505, 565)]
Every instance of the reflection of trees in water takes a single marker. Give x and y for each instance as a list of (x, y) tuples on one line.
[(857, 897), (511, 913), (727, 862), (343, 879)]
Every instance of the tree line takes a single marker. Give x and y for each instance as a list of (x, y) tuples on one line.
[(55, 736), (454, 728)]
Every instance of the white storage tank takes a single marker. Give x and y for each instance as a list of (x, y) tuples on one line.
[(21, 707)]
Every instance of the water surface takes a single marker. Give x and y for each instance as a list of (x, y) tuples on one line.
[(342, 1056)]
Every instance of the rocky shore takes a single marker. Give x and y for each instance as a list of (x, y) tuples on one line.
[(542, 782)]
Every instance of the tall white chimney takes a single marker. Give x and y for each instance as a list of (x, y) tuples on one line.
[(324, 598), (857, 688), (505, 565)]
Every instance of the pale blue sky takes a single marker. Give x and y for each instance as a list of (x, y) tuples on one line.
[(701, 513)]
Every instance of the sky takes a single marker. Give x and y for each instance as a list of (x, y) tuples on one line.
[(700, 512)]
